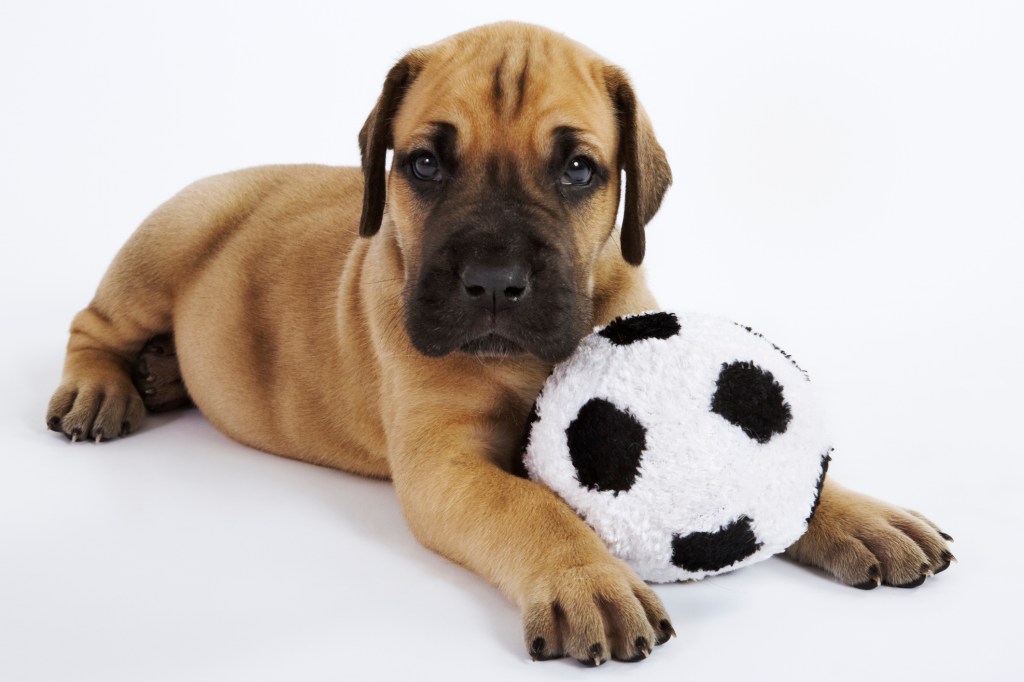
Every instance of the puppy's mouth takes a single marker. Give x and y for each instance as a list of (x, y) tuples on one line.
[(492, 345), (480, 296), (549, 332)]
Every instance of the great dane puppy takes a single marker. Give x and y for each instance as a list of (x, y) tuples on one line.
[(399, 323)]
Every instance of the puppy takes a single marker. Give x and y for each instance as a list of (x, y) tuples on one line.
[(399, 323)]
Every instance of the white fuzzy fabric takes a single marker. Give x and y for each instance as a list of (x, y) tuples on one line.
[(699, 472)]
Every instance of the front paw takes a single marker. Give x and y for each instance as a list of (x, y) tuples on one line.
[(865, 542), (594, 612)]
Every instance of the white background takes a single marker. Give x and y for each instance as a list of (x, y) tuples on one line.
[(848, 180)]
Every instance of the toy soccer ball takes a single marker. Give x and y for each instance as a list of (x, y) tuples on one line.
[(691, 444)]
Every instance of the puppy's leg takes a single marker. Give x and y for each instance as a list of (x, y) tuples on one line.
[(96, 399), (576, 599), (135, 300), (157, 376), (865, 542)]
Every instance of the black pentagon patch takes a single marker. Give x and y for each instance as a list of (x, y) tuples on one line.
[(606, 445), (714, 551), (623, 331), (825, 459), (750, 398)]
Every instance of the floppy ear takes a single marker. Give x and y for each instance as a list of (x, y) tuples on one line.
[(375, 140), (647, 172)]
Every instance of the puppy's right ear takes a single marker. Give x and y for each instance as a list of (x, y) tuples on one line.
[(375, 139), (648, 175)]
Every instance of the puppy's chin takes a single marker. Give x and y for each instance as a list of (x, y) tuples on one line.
[(549, 347), (492, 346)]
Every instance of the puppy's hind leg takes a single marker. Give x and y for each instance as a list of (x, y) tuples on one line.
[(96, 399), (157, 376)]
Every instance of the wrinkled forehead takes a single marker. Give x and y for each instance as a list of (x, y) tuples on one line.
[(511, 93)]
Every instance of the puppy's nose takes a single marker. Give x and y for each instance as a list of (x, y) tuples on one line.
[(497, 286)]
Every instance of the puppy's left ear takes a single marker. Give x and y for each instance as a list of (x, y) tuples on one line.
[(648, 175), (375, 139)]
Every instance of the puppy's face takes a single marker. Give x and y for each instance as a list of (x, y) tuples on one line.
[(509, 143)]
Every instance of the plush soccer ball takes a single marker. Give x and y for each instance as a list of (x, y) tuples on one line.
[(691, 444)]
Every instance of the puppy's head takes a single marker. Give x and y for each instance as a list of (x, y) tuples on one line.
[(509, 144)]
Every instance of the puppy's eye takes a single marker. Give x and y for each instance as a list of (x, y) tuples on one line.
[(425, 166), (578, 172)]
